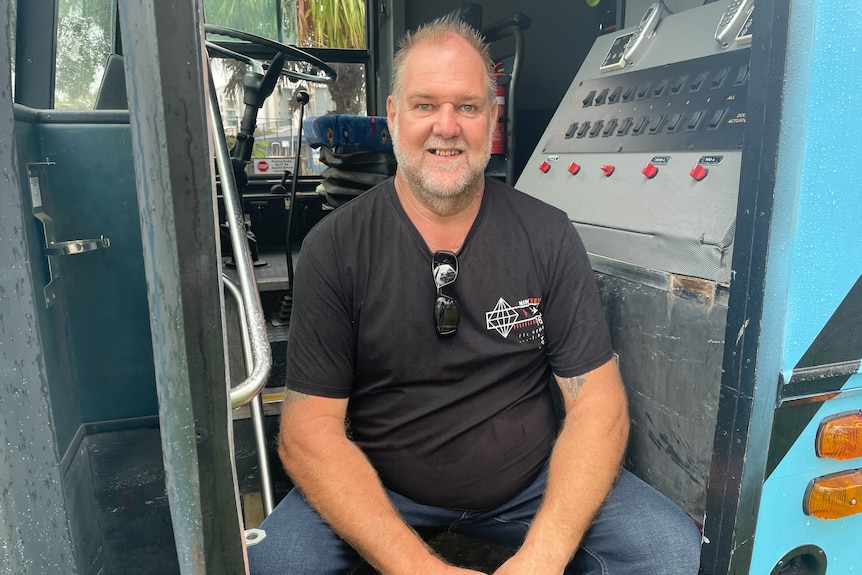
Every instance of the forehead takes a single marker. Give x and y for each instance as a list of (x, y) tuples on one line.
[(447, 63)]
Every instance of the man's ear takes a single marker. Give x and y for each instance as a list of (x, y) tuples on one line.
[(390, 112)]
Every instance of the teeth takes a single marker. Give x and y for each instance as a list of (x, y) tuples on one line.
[(447, 152)]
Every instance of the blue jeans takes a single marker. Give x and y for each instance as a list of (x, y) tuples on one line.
[(637, 532)]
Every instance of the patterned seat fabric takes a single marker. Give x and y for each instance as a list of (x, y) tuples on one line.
[(349, 131), (357, 151)]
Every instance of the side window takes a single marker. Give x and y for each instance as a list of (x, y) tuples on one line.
[(85, 37), (333, 30)]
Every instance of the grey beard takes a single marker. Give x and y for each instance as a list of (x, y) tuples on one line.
[(445, 205)]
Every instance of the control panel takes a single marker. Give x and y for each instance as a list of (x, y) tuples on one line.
[(694, 103), (644, 151)]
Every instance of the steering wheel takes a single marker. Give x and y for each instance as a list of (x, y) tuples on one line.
[(291, 53)]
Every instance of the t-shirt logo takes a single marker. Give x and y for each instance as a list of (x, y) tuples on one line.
[(523, 318)]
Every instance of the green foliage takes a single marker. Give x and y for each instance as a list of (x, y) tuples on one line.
[(313, 23), (253, 16), (259, 150), (337, 24), (332, 23), (84, 39)]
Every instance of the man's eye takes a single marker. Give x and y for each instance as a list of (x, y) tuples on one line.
[(469, 108), (423, 107)]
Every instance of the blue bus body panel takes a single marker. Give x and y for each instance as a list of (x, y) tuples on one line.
[(815, 266), (827, 251)]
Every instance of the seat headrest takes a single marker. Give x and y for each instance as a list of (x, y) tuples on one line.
[(348, 130)]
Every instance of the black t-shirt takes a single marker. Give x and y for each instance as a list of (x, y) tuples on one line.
[(467, 421)]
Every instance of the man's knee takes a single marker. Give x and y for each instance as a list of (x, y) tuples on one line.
[(297, 540), (639, 530)]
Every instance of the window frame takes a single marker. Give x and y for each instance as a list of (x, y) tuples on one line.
[(36, 53)]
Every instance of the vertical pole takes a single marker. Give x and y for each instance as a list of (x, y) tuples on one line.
[(36, 52), (166, 81), (747, 394), (34, 527)]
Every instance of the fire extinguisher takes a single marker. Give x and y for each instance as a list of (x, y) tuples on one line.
[(498, 138)]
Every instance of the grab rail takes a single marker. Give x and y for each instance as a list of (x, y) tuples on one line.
[(260, 350), (256, 405)]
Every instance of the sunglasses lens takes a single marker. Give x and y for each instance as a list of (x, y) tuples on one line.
[(444, 275), (444, 265), (446, 315), (445, 268)]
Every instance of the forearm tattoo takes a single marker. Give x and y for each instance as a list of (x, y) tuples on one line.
[(573, 385)]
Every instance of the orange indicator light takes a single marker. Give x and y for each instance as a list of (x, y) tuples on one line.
[(834, 496), (840, 436)]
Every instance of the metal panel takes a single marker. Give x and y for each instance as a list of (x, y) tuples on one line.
[(813, 298), (35, 52), (34, 533), (166, 84), (670, 344), (645, 159), (107, 317)]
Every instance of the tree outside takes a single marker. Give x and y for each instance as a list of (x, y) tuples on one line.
[(85, 39), (305, 23)]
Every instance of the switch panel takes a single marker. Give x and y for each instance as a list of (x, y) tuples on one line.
[(713, 86), (650, 151)]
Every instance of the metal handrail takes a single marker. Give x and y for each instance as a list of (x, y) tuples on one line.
[(256, 405), (259, 342)]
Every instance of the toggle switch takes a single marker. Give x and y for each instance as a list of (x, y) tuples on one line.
[(602, 97), (607, 169), (697, 82), (698, 172), (650, 170), (544, 167)]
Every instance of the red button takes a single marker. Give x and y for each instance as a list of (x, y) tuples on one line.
[(698, 172), (574, 168), (545, 166), (608, 170), (650, 170)]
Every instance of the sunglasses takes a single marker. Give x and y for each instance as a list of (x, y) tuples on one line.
[(444, 266)]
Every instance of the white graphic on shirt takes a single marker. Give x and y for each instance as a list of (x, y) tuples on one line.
[(505, 318)]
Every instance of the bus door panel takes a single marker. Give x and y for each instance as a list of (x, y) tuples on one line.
[(816, 295)]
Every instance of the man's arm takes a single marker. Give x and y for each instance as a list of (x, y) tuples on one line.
[(584, 464), (340, 483)]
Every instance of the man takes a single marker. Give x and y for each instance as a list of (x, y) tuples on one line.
[(430, 316)]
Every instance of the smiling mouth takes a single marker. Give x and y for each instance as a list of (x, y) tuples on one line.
[(445, 153)]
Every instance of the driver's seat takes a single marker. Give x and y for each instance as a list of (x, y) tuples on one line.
[(112, 90), (357, 151)]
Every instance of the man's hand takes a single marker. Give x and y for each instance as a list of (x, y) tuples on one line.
[(452, 570), (523, 564), (584, 464), (436, 566)]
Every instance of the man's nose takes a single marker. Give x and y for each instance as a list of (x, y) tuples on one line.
[(446, 125)]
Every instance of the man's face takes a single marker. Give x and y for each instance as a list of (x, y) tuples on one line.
[(441, 121)]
